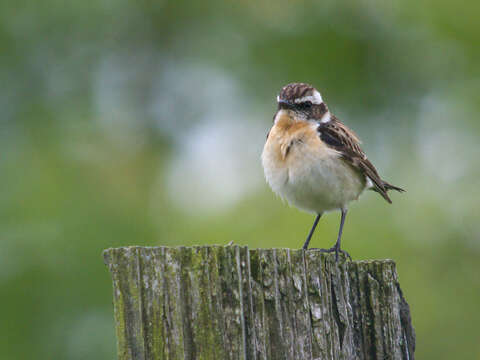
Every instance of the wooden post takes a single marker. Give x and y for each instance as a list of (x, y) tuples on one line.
[(216, 302)]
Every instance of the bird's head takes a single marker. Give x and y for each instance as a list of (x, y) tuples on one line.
[(302, 102)]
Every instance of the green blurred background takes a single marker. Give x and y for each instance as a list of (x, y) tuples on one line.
[(142, 123)]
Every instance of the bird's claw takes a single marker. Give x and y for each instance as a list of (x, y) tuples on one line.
[(334, 249)]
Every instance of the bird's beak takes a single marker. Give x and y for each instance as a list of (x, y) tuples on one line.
[(284, 104)]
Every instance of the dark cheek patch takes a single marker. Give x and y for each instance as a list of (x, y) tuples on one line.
[(319, 110)]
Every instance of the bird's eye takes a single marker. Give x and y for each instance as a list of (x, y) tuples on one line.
[(305, 105)]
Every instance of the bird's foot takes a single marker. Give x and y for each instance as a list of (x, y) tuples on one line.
[(334, 249)]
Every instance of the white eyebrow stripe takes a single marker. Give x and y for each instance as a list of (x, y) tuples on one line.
[(316, 99)]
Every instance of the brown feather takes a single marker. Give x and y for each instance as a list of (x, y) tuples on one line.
[(339, 137)]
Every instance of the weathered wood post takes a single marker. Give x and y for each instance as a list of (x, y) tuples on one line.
[(216, 302)]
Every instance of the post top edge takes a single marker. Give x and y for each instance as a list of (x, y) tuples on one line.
[(107, 253)]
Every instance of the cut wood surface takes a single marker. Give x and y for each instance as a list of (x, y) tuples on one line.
[(229, 302)]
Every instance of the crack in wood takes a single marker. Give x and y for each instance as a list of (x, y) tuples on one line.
[(216, 302)]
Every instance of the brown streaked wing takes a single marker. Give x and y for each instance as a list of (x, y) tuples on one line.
[(345, 141)]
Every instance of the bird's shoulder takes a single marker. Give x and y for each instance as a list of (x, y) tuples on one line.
[(339, 137)]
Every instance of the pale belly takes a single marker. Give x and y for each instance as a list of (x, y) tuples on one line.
[(314, 181)]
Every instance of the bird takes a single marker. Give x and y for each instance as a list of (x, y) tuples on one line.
[(314, 161)]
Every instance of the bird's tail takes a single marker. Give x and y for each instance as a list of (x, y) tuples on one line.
[(386, 188), (392, 187)]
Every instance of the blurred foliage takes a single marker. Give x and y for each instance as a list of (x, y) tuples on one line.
[(142, 123)]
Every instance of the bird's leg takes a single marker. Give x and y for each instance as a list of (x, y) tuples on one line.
[(336, 248), (339, 239), (312, 230)]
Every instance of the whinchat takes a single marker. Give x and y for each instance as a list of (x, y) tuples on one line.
[(312, 160)]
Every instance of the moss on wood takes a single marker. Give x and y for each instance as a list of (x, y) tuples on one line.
[(216, 302)]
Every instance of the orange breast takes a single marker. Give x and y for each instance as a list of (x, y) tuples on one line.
[(287, 134)]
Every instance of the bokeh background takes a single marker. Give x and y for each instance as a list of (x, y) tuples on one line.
[(142, 123)]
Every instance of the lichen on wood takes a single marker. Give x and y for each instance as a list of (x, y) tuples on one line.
[(229, 302)]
